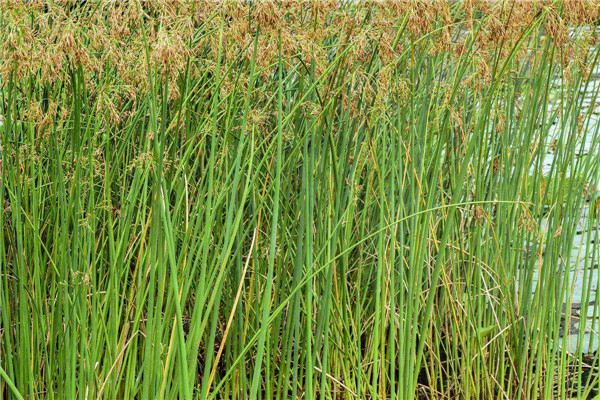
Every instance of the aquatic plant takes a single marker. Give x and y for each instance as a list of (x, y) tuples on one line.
[(297, 199)]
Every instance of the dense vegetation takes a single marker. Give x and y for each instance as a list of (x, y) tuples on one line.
[(297, 200)]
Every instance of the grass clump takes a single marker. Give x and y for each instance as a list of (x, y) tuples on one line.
[(296, 200)]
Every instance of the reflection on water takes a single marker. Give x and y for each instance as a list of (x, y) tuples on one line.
[(585, 253)]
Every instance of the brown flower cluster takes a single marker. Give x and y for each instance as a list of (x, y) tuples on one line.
[(122, 49)]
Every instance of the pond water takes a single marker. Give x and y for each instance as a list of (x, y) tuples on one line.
[(585, 254)]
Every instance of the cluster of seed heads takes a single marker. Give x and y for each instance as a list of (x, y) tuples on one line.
[(123, 49)]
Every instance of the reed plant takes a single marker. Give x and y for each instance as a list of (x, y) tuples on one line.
[(298, 200)]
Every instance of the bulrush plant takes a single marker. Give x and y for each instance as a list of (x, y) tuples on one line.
[(299, 200)]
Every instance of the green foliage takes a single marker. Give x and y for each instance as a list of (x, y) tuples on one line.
[(291, 233)]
